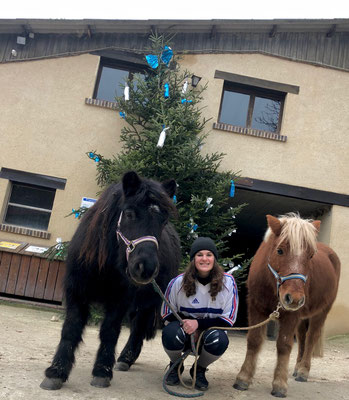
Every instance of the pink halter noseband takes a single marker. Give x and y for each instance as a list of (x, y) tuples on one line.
[(131, 244)]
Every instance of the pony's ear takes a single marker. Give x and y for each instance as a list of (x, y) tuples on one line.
[(170, 187), (274, 224), (130, 183), (317, 224)]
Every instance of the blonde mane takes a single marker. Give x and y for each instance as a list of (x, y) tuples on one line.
[(300, 233)]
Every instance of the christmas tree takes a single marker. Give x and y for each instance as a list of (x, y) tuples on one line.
[(163, 138)]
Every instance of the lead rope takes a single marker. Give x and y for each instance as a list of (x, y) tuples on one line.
[(272, 317)]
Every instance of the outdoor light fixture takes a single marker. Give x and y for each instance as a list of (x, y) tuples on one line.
[(195, 80)]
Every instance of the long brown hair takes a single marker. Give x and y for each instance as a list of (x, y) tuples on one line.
[(190, 276)]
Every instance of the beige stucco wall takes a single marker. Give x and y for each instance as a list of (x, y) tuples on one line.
[(46, 128), (338, 319), (315, 122)]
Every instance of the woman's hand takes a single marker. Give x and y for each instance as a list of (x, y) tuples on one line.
[(190, 326)]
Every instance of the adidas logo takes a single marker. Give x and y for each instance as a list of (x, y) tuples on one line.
[(195, 301)]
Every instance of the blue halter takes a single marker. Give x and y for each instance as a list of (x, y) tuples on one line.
[(281, 279)]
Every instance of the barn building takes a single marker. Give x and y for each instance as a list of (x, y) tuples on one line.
[(58, 80)]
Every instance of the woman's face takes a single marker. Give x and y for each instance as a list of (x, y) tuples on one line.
[(204, 260)]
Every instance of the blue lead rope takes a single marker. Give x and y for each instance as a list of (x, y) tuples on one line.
[(184, 356)]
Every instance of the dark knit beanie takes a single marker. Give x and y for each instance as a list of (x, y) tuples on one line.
[(203, 243)]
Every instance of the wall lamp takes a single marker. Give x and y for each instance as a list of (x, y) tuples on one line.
[(195, 80)]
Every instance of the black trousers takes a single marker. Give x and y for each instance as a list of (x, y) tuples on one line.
[(214, 341)]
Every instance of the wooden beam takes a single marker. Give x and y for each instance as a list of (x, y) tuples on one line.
[(262, 83), (297, 192)]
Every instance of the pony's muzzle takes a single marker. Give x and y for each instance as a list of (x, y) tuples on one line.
[(144, 271), (291, 303)]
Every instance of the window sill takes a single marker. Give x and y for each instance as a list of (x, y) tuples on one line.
[(248, 131), (25, 231), (111, 105)]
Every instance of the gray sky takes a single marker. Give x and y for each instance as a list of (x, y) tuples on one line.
[(178, 9)]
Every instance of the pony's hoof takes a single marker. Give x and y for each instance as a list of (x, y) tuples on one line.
[(121, 366), (301, 378), (51, 384), (279, 393), (100, 382), (240, 385)]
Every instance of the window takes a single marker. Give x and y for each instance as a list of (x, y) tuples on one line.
[(29, 206), (30, 200), (251, 107), (111, 77)]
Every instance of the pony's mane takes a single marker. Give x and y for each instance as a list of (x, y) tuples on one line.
[(299, 233)]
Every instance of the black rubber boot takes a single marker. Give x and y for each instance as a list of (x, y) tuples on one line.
[(173, 378), (201, 381)]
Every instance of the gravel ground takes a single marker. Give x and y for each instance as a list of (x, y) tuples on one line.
[(29, 338)]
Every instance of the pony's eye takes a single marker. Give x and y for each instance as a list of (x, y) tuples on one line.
[(280, 251), (129, 214)]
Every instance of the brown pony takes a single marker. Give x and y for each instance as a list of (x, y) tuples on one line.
[(292, 269)]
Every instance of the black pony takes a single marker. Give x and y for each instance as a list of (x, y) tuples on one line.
[(122, 243)]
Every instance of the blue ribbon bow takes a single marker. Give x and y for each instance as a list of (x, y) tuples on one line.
[(77, 213), (166, 57), (152, 60), (94, 157)]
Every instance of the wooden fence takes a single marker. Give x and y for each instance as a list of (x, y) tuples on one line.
[(31, 277)]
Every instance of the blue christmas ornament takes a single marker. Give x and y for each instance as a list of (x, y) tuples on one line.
[(97, 159), (186, 101), (166, 55), (192, 225), (232, 188), (91, 155), (175, 199), (167, 90), (77, 213), (152, 60), (122, 114)]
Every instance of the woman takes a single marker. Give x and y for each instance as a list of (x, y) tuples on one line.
[(204, 297)]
